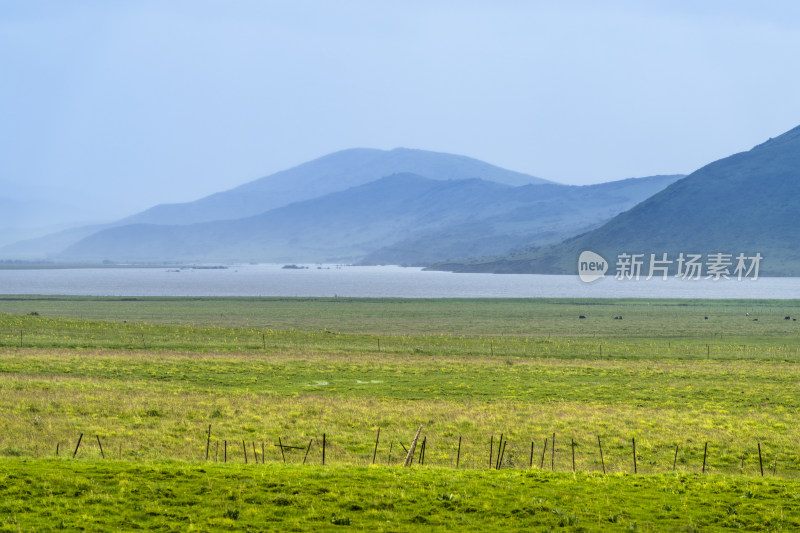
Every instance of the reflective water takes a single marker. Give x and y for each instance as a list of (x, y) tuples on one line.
[(384, 281)]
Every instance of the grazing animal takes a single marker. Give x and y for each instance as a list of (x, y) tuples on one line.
[(706, 318), (581, 316), (755, 320), (747, 314), (787, 318)]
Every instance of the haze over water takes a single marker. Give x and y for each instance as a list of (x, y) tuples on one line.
[(372, 282)]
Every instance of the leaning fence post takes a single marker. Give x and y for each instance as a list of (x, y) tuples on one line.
[(544, 450), (375, 452), (760, 464), (307, 450), (280, 443), (411, 448), (635, 469), (244, 447), (101, 447), (458, 454), (530, 465), (502, 454), (77, 446), (675, 460), (499, 447)]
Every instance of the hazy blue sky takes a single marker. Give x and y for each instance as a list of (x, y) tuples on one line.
[(133, 103)]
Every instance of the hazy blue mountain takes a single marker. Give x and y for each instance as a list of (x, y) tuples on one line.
[(331, 173), (334, 172), (747, 203), (349, 225), (531, 214), (28, 217)]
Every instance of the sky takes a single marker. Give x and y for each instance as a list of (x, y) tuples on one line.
[(120, 105)]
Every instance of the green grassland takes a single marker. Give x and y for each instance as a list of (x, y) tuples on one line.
[(148, 376)]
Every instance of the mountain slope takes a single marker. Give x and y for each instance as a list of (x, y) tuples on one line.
[(746, 203), (333, 172), (533, 214), (347, 226)]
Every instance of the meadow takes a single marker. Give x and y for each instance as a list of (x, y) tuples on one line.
[(146, 377)]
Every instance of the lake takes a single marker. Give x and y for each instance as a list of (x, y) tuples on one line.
[(375, 282)]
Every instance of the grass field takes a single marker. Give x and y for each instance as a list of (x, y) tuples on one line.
[(148, 376)]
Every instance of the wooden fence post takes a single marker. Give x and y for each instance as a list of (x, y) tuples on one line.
[(602, 461), (323, 449), (499, 446), (101, 447), (635, 469), (573, 455), (760, 464), (705, 453), (530, 465), (280, 443), (77, 446), (208, 441), (458, 454), (411, 448), (375, 452), (675, 460), (501, 455), (544, 450)]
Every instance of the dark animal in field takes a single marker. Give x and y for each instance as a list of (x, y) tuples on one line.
[(706, 318), (755, 320), (581, 316), (787, 318)]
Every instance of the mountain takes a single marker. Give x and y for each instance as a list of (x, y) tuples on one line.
[(348, 226), (531, 214), (328, 174), (747, 203), (331, 173), (27, 217)]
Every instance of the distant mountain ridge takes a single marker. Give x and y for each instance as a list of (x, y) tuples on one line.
[(356, 225), (331, 173), (746, 203), (325, 175)]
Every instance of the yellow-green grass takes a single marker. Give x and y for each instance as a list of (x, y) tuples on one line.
[(149, 377), (49, 495)]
